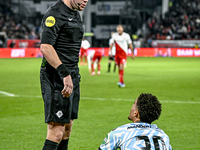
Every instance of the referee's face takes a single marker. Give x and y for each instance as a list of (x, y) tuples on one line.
[(81, 4)]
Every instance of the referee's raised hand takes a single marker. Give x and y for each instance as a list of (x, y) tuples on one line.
[(68, 86)]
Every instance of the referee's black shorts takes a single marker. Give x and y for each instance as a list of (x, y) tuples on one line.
[(111, 57), (59, 109)]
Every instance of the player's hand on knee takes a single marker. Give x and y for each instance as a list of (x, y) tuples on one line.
[(68, 86)]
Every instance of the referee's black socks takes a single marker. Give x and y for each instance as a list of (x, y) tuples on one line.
[(50, 145), (63, 145)]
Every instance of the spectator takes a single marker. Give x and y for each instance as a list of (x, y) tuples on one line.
[(182, 21), (14, 26)]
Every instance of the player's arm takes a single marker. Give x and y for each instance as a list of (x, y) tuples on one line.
[(53, 59), (110, 49), (132, 50), (50, 55), (130, 45), (110, 142)]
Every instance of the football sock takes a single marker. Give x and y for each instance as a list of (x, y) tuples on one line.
[(99, 67), (85, 59), (109, 64), (63, 145), (114, 67), (50, 145), (121, 76)]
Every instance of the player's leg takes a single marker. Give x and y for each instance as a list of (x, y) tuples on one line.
[(89, 63), (115, 65), (99, 65), (92, 65), (81, 57), (65, 139), (122, 61), (55, 133), (85, 56), (117, 61), (109, 63), (121, 73)]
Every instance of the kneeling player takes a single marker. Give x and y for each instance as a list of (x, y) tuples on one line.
[(141, 134), (89, 60), (97, 56), (83, 52)]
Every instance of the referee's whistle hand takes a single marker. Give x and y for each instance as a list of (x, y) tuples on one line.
[(68, 86)]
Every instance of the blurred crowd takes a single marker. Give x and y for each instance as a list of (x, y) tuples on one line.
[(182, 21), (13, 26)]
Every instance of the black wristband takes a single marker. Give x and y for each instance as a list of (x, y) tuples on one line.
[(63, 71)]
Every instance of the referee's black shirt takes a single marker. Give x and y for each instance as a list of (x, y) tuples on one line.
[(63, 29)]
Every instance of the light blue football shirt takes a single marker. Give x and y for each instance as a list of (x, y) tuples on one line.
[(137, 136)]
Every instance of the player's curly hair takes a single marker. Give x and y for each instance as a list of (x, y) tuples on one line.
[(149, 107)]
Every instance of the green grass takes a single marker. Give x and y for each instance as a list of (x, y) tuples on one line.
[(175, 81)]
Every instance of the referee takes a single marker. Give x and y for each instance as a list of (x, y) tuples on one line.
[(59, 75)]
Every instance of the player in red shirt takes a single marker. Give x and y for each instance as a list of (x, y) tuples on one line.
[(83, 52), (122, 42), (97, 56)]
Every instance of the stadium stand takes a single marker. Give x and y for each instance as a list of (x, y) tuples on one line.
[(181, 22), (13, 26)]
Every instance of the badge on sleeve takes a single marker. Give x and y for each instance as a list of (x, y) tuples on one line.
[(50, 21), (105, 141)]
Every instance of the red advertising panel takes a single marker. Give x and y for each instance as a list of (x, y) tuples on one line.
[(20, 52), (139, 52), (167, 52)]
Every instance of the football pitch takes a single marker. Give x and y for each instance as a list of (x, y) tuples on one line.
[(103, 106)]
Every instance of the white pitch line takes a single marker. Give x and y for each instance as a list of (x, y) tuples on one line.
[(6, 94), (129, 100)]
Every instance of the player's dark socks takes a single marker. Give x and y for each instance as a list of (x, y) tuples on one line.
[(63, 145), (109, 64), (114, 67), (50, 145)]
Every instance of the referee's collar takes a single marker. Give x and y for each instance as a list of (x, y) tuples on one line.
[(67, 8)]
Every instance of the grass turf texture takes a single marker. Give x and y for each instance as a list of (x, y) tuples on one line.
[(103, 106)]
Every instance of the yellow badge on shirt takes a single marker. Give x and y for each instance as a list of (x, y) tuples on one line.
[(50, 21)]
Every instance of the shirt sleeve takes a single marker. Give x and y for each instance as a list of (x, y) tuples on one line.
[(109, 143), (111, 41), (51, 24), (129, 41)]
